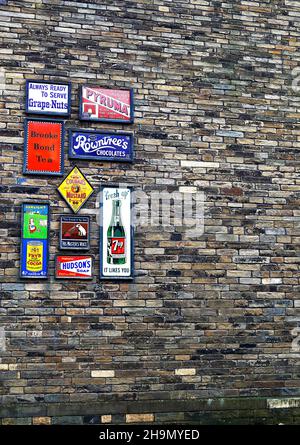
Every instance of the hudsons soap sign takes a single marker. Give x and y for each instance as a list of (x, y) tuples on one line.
[(101, 146), (70, 266)]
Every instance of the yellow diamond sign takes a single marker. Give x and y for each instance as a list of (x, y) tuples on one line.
[(75, 189)]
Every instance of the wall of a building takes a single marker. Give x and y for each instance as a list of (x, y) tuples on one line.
[(204, 333)]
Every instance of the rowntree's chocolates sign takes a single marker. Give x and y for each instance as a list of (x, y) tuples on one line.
[(48, 98), (100, 145), (43, 147), (106, 105), (69, 266)]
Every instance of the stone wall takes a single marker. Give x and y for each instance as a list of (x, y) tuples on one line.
[(204, 333)]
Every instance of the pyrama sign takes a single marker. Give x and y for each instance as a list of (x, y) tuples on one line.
[(106, 105)]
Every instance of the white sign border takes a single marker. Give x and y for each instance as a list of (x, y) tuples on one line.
[(66, 113), (129, 228)]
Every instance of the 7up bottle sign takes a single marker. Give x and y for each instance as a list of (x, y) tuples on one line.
[(116, 240)]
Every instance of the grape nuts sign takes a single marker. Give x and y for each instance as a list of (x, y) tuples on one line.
[(48, 98)]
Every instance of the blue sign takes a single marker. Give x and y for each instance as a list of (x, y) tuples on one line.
[(34, 258), (35, 240), (100, 145)]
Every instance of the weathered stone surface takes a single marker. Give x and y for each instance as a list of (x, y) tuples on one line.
[(139, 418), (205, 332)]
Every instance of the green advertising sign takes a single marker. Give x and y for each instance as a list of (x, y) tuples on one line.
[(35, 222)]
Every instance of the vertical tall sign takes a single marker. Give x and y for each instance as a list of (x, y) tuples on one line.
[(34, 240), (116, 233), (43, 147)]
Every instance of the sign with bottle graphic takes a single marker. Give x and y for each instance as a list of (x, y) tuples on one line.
[(116, 233), (34, 240)]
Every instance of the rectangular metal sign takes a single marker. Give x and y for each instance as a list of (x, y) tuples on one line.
[(100, 145), (116, 233), (34, 240), (74, 232), (106, 105), (43, 147), (78, 267), (48, 98)]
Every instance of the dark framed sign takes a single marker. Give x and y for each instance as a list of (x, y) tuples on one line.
[(100, 145), (74, 232), (35, 223), (43, 147), (106, 104), (75, 189), (116, 233), (48, 98), (78, 267)]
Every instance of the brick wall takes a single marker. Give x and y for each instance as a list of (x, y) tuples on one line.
[(204, 333)]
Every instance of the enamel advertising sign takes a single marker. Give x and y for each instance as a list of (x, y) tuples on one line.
[(106, 105), (34, 240), (43, 147), (100, 145), (48, 98), (75, 232), (70, 266), (75, 189), (116, 233)]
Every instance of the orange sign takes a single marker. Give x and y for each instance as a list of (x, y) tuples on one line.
[(44, 140), (75, 189)]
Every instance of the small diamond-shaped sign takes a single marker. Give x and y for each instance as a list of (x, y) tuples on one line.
[(75, 189)]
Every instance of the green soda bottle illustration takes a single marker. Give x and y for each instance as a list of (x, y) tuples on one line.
[(116, 237)]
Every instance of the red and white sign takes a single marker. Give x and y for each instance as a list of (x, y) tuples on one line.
[(117, 246), (103, 104), (69, 266)]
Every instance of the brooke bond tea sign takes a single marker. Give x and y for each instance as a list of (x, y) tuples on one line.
[(75, 232), (106, 105), (78, 266), (44, 147), (100, 146), (75, 189), (34, 240), (116, 233), (48, 98)]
